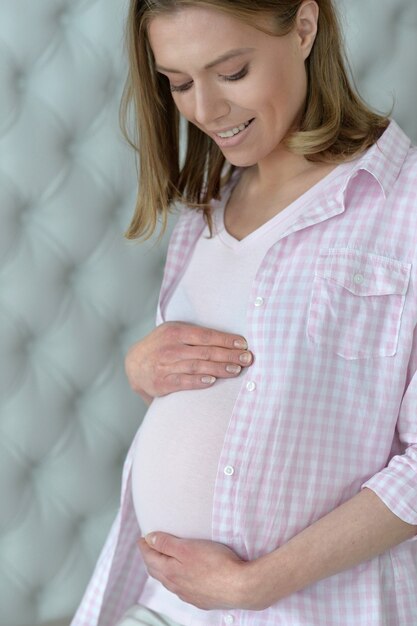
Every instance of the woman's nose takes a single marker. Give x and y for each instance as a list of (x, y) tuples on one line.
[(209, 105)]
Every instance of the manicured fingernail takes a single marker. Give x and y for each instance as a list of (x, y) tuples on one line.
[(245, 358), (233, 369), (208, 380), (240, 344)]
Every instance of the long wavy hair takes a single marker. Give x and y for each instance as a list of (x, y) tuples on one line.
[(336, 124)]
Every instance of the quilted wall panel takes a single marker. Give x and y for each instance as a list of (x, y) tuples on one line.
[(74, 295)]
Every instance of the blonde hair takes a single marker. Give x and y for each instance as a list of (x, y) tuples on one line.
[(336, 124)]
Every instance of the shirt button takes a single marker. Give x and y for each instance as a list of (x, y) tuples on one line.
[(229, 470), (229, 619), (251, 386), (259, 301), (358, 279)]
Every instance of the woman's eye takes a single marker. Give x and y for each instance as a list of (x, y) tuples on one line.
[(231, 77), (181, 88), (241, 74)]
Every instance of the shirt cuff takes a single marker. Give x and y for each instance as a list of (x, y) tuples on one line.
[(396, 486)]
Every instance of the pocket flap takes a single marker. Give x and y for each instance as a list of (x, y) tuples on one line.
[(364, 273)]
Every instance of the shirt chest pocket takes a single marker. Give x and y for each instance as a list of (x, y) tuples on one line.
[(357, 303)]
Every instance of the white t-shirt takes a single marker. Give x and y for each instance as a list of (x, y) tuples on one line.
[(181, 437)]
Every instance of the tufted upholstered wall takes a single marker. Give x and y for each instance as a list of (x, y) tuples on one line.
[(74, 295)]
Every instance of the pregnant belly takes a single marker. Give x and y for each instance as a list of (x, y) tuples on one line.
[(176, 459)]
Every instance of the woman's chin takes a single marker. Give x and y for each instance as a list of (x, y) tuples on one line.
[(242, 161)]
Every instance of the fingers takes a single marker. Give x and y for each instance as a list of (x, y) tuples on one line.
[(200, 336), (185, 382), (198, 374), (155, 561), (219, 355), (201, 371), (164, 543), (192, 358), (197, 360)]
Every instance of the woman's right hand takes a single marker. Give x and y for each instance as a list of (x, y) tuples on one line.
[(177, 356)]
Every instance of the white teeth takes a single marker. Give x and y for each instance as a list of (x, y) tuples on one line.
[(233, 131)]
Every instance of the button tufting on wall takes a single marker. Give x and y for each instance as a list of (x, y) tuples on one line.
[(65, 19), (20, 80), (72, 148), (62, 15), (25, 213), (35, 595)]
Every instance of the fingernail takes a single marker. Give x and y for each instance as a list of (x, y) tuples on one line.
[(150, 539), (208, 380), (245, 358), (240, 344), (233, 369)]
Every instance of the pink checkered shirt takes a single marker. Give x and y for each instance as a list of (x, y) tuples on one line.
[(329, 406)]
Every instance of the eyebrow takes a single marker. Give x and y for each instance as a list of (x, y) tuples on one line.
[(224, 57)]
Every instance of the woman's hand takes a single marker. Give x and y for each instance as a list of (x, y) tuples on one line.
[(206, 574), (177, 356)]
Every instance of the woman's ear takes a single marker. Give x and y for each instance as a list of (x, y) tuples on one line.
[(306, 25)]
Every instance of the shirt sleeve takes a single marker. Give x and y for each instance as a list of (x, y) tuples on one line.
[(396, 484)]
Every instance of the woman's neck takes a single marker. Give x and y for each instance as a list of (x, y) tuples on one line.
[(278, 170), (266, 189)]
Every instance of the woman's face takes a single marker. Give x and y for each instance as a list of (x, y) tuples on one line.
[(242, 87)]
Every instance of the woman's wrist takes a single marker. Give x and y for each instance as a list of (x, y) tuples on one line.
[(266, 580)]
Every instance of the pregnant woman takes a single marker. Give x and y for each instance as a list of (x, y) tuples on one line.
[(273, 480)]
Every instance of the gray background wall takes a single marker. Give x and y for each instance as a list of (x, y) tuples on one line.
[(74, 294)]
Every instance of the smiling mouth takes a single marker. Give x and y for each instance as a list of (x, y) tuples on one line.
[(234, 131)]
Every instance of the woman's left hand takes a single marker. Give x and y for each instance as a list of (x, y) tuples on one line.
[(206, 574)]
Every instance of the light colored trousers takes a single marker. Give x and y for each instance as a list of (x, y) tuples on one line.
[(141, 616)]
